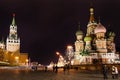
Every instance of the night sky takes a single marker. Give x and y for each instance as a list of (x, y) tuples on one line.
[(47, 26)]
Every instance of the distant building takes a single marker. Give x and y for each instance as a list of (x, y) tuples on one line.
[(96, 46), (10, 52)]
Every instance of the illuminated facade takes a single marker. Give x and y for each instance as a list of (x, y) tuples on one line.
[(13, 42), (10, 52), (96, 45)]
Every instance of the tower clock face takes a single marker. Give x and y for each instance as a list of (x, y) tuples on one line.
[(12, 31), (13, 35)]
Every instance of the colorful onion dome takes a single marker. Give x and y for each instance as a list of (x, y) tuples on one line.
[(100, 28), (79, 32), (111, 34), (88, 38)]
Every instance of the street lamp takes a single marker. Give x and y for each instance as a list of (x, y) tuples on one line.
[(69, 47), (16, 59), (26, 61), (58, 53)]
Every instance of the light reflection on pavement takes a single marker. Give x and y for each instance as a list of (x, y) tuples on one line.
[(26, 74)]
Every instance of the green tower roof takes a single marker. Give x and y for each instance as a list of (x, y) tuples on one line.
[(13, 21), (111, 34), (79, 32), (87, 38)]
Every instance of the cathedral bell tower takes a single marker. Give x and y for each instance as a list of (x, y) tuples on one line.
[(79, 44), (101, 45), (13, 42), (91, 24)]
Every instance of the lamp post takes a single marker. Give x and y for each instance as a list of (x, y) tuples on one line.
[(17, 59), (26, 61), (58, 53)]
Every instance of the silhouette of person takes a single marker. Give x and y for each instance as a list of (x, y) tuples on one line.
[(45, 68), (68, 68), (53, 68), (64, 68), (56, 68), (105, 71)]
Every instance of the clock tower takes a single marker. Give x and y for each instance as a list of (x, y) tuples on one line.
[(13, 42)]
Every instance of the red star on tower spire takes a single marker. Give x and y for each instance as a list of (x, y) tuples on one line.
[(13, 21), (13, 14)]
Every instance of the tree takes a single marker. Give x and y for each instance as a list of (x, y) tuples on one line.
[(85, 53)]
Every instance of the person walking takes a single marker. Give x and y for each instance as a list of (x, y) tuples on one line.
[(53, 68), (105, 72), (116, 72), (64, 68), (113, 72), (45, 68), (56, 69), (68, 68)]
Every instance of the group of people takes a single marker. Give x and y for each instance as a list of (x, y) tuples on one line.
[(114, 72), (55, 68), (66, 68)]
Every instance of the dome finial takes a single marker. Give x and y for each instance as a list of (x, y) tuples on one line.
[(79, 25), (99, 19), (92, 19), (91, 11), (91, 7)]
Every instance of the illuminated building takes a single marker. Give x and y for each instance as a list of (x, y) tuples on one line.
[(10, 52), (96, 46), (13, 42)]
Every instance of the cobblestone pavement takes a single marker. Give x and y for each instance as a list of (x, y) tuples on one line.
[(49, 75)]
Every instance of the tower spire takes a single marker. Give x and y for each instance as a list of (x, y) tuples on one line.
[(92, 19), (13, 21)]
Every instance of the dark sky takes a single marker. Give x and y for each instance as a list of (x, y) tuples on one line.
[(47, 26)]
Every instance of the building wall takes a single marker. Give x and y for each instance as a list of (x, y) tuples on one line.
[(23, 58)]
